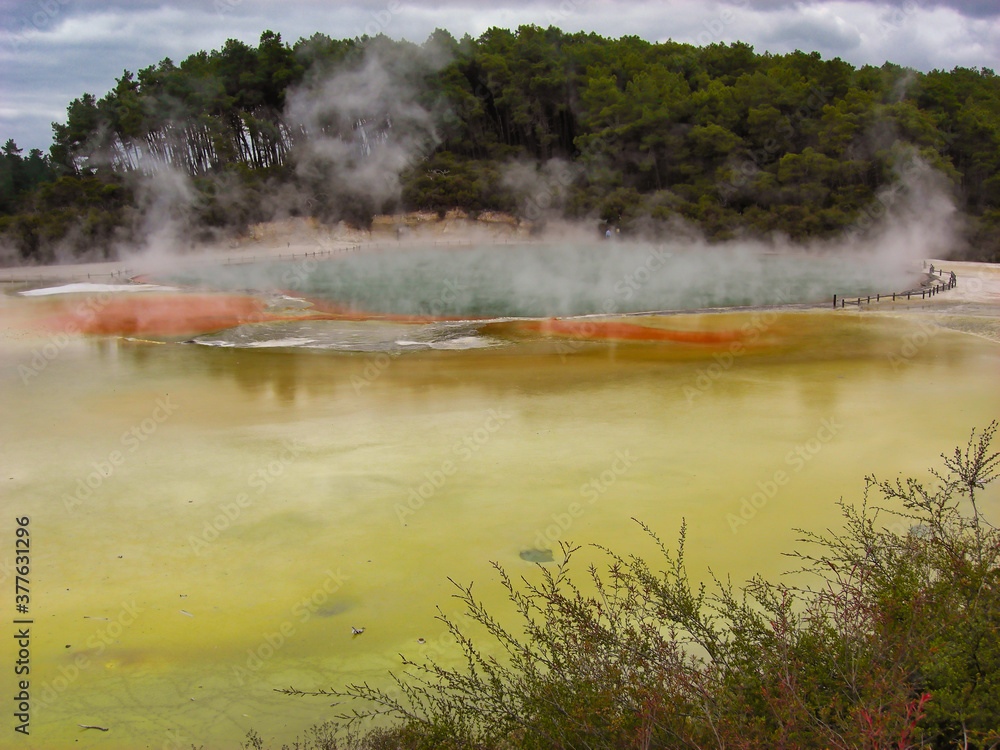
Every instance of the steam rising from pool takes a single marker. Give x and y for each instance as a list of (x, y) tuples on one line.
[(558, 279)]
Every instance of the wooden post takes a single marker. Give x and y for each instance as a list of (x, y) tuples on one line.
[(835, 301)]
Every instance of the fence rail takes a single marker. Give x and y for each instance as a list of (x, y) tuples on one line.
[(352, 248), (243, 260), (122, 273), (924, 292)]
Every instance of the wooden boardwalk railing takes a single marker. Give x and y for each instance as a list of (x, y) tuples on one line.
[(924, 292)]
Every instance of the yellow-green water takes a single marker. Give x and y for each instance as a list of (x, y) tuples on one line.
[(249, 507)]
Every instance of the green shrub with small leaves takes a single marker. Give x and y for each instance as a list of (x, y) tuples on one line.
[(888, 640)]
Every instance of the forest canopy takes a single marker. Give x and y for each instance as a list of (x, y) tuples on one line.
[(534, 121)]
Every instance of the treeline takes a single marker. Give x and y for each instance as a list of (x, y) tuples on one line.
[(19, 175), (42, 205), (538, 120)]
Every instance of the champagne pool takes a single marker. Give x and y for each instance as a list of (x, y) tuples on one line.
[(550, 279), (212, 516)]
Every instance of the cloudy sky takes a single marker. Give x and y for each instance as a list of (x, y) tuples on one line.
[(52, 51)]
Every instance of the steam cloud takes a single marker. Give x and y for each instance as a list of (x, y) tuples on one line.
[(355, 132), (573, 273), (362, 128)]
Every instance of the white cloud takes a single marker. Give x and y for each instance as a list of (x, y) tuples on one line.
[(83, 45)]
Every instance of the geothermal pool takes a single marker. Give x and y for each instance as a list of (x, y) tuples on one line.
[(209, 520), (550, 279)]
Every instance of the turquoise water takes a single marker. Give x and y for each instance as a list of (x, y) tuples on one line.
[(555, 280)]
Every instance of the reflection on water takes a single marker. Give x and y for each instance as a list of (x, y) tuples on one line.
[(210, 522)]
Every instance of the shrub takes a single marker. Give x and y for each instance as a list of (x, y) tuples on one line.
[(892, 642)]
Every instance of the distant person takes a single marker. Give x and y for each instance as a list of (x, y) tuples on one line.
[(607, 235)]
